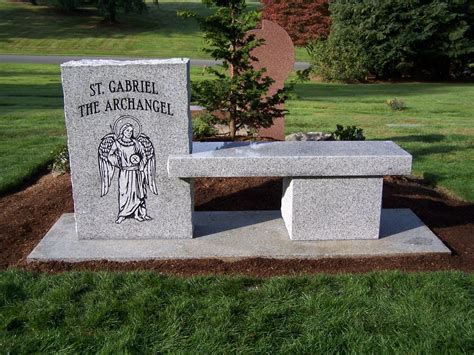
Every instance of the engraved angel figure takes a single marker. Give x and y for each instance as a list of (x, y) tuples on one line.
[(132, 153)]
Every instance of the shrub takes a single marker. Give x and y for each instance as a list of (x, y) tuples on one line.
[(60, 164), (396, 104), (303, 20), (333, 62), (203, 126), (431, 39), (348, 133)]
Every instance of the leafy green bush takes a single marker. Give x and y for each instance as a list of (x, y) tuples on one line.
[(203, 126), (60, 164), (396, 104), (432, 39), (334, 62), (348, 133)]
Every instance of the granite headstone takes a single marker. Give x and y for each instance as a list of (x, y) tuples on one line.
[(277, 56), (123, 120)]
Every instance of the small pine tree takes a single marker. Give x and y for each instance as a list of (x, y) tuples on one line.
[(239, 91)]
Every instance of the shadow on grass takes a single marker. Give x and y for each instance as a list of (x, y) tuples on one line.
[(29, 97), (328, 92), (430, 147), (41, 22), (419, 152), (27, 180), (424, 138), (19, 73), (34, 90), (432, 179)]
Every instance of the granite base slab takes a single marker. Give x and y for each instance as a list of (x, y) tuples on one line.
[(238, 235)]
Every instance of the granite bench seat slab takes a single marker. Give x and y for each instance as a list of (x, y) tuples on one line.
[(291, 159)]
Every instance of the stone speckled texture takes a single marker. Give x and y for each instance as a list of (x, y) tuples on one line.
[(237, 235), (367, 158), (167, 125), (287, 205), (332, 209)]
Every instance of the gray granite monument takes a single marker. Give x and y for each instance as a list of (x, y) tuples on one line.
[(124, 118)]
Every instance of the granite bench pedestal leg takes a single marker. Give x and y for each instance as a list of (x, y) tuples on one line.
[(332, 208)]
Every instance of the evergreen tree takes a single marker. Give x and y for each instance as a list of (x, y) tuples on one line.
[(422, 39), (239, 90)]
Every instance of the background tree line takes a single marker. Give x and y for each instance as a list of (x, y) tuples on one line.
[(349, 40)]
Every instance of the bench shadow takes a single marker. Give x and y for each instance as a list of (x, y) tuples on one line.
[(207, 223), (232, 207), (243, 194), (404, 222)]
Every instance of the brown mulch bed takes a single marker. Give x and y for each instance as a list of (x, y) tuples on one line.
[(26, 216)]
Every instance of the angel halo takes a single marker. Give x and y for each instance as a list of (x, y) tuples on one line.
[(131, 152)]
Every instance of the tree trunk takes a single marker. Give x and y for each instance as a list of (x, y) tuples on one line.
[(232, 128), (232, 123), (112, 11)]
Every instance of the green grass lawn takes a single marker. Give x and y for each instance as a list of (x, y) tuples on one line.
[(39, 30), (27, 29), (31, 120), (437, 127), (391, 312), (442, 140)]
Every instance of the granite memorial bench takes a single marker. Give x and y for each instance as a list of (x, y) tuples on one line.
[(331, 190), (133, 163)]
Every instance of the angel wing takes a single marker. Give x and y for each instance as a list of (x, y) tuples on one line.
[(106, 169), (150, 165)]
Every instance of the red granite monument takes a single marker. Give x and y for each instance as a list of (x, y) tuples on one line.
[(277, 55)]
